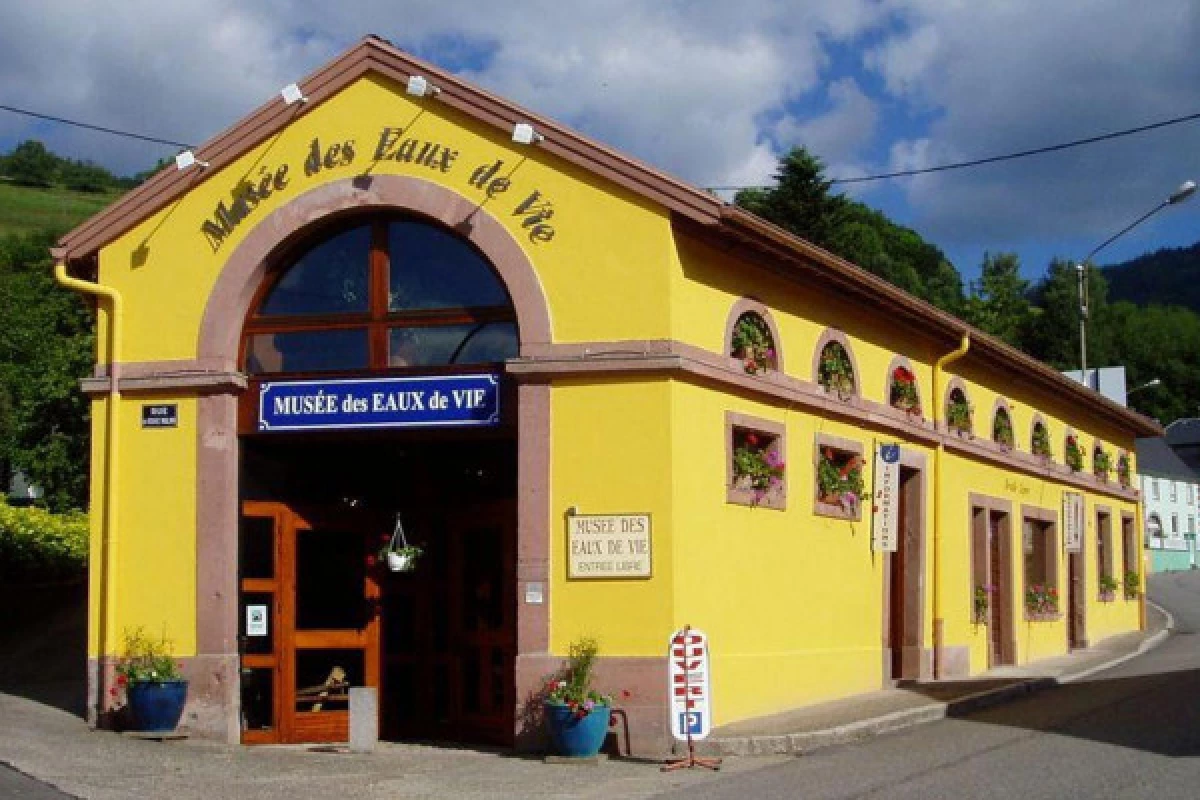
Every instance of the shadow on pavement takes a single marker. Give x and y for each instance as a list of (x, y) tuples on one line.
[(43, 644), (1157, 713)]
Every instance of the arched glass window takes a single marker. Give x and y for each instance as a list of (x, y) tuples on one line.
[(1002, 429), (380, 293), (835, 369), (752, 343), (1039, 441)]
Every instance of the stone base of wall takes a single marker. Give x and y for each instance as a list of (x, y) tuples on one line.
[(956, 662)]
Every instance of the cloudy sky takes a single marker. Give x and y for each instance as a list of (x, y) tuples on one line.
[(712, 92)]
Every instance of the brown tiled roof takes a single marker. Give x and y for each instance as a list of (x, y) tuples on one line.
[(693, 209)]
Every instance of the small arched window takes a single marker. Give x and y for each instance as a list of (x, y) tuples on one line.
[(835, 370), (752, 343), (903, 392), (1124, 471), (958, 411), (380, 293), (1101, 463), (1002, 428), (1073, 453), (1039, 441)]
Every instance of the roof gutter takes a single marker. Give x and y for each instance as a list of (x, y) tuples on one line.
[(106, 618), (937, 410)]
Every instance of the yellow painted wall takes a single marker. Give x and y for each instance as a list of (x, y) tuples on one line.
[(155, 546), (611, 447)]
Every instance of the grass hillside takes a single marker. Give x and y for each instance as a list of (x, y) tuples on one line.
[(26, 209)]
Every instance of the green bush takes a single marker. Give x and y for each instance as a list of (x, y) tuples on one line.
[(37, 546)]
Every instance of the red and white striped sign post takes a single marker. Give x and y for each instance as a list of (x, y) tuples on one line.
[(690, 691)]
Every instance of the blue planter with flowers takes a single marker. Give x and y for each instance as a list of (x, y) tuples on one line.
[(156, 706), (577, 736)]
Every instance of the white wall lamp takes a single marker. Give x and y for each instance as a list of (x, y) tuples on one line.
[(419, 86), (291, 94), (523, 133), (187, 159)]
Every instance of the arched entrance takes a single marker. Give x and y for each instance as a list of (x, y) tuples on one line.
[(356, 331)]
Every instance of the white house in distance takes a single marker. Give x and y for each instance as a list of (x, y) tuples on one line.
[(1169, 494)]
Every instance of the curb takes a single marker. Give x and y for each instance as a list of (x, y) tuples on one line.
[(807, 742)]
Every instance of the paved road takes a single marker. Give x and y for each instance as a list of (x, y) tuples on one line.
[(1129, 732), (15, 786)]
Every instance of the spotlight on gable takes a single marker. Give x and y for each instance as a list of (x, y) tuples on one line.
[(292, 94), (188, 159), (419, 86), (523, 133)]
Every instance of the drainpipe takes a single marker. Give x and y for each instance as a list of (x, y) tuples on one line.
[(1144, 556), (939, 633), (107, 592)]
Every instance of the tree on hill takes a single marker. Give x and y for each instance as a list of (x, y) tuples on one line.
[(1170, 276), (802, 203), (46, 345), (31, 164), (999, 302)]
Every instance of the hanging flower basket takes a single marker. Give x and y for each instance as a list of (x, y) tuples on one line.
[(398, 554)]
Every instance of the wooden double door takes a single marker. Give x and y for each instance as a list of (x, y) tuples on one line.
[(320, 613)]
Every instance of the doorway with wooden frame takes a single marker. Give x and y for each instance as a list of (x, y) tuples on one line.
[(905, 590), (321, 613), (992, 571)]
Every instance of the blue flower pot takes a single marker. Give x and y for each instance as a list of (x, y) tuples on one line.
[(576, 737), (156, 706)]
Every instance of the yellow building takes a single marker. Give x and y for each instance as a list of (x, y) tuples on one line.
[(603, 402)]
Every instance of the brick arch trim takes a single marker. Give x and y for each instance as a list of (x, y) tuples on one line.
[(244, 271), (751, 305), (828, 336)]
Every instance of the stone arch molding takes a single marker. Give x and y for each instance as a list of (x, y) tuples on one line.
[(244, 271)]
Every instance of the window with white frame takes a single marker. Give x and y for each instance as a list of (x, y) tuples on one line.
[(1174, 491), (1174, 524)]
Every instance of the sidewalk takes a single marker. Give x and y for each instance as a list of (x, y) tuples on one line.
[(861, 716), (56, 747)]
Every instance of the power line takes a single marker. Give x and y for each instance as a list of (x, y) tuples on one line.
[(113, 131), (994, 159)]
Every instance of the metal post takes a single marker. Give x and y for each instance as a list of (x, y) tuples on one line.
[(1081, 268)]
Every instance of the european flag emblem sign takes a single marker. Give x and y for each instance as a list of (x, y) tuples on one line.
[(691, 722), (889, 453)]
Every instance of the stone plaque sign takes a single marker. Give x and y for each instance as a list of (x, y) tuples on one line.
[(1073, 521), (608, 546)]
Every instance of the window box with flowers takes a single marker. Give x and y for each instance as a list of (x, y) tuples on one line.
[(756, 474), (903, 394), (1040, 442), (1002, 429), (752, 344), (840, 484), (1073, 454), (1108, 588), (1124, 476), (1041, 603), (835, 372), (958, 413), (1101, 464)]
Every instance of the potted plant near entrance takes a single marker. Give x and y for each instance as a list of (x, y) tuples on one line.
[(577, 716), (1108, 588), (150, 675)]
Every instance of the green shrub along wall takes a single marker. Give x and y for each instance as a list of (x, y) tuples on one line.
[(37, 546)]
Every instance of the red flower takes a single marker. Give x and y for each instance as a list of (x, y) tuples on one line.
[(121, 681), (751, 440), (828, 454), (371, 560), (113, 691), (903, 375)]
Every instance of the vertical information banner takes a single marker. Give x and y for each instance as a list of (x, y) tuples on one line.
[(885, 517), (688, 685), (1073, 522)]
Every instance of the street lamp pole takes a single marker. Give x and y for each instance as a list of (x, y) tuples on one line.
[(1185, 190)]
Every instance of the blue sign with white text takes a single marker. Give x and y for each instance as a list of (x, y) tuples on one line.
[(435, 401)]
